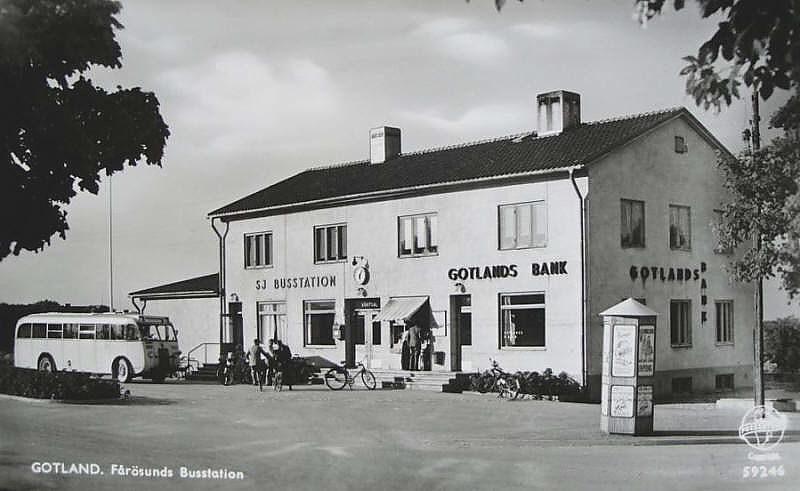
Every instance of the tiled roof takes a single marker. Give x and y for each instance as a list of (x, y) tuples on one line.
[(508, 156), (202, 286)]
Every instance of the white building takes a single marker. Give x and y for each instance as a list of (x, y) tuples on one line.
[(507, 248)]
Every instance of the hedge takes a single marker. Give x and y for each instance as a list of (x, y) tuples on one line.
[(76, 386)]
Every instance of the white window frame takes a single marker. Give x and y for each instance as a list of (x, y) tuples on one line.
[(723, 323), (684, 328), (528, 306), (677, 221), (307, 313), (332, 243), (536, 233), (420, 233), (276, 312), (628, 227), (255, 258)]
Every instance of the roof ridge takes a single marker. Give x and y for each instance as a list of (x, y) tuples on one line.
[(346, 163), (634, 116), (471, 143)]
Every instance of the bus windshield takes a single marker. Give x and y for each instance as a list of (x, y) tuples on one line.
[(160, 332)]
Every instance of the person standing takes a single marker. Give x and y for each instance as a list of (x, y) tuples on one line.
[(254, 355), (283, 358), (414, 346)]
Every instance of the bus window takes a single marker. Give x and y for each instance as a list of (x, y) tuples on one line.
[(70, 331), (54, 331), (131, 332), (86, 331), (39, 331), (103, 331), (24, 331), (117, 332)]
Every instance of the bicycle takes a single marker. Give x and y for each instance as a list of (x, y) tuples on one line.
[(337, 377), (496, 380)]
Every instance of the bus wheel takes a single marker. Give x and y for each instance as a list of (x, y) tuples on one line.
[(46, 363), (121, 370)]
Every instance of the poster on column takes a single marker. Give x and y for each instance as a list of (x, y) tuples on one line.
[(623, 353), (622, 401), (644, 400), (647, 351)]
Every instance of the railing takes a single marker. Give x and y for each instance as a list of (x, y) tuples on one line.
[(193, 364)]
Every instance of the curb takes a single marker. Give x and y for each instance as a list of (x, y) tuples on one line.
[(33, 400)]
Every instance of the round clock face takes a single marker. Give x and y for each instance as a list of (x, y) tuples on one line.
[(361, 275)]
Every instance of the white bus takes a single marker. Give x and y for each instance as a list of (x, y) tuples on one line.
[(124, 345)]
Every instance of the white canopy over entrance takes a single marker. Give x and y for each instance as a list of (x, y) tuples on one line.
[(403, 309)]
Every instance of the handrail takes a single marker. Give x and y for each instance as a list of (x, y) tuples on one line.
[(205, 351)]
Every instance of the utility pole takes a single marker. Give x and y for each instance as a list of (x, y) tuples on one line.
[(758, 301), (110, 251)]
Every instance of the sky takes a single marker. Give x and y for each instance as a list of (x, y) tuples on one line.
[(254, 92)]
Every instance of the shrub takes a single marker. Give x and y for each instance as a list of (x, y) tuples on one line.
[(56, 385), (537, 384)]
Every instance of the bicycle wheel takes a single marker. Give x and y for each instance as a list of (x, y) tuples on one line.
[(369, 379), (336, 378), (513, 388)]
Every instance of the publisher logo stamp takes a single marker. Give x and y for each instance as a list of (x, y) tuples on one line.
[(762, 429)]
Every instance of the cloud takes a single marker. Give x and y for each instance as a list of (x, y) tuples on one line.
[(459, 39), (237, 98), (489, 120)]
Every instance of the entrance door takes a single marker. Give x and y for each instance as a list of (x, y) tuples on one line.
[(367, 335), (461, 332)]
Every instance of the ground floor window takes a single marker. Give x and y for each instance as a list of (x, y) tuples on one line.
[(271, 321), (724, 311), (522, 320), (680, 323), (724, 381), (682, 385), (318, 318)]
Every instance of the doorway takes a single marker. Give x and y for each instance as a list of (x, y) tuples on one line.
[(360, 328), (461, 332)]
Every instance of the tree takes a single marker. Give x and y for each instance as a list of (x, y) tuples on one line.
[(58, 130), (782, 343)]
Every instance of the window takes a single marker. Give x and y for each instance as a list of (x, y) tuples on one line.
[(724, 310), (682, 385), (104, 331), (632, 219), (258, 250), (418, 235), (117, 332), (680, 145), (39, 331), (359, 332), (717, 227), (271, 320), (86, 331), (724, 381), (70, 331), (330, 243), (319, 317), (55, 331), (24, 331), (680, 229), (523, 225), (680, 322), (522, 320)]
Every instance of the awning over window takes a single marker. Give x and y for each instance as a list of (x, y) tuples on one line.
[(414, 309)]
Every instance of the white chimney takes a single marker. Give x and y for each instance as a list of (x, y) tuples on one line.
[(384, 143), (558, 111)]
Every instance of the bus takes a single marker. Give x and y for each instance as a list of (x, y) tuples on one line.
[(124, 345)]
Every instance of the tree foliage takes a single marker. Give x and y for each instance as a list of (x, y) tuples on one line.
[(58, 131), (782, 343)]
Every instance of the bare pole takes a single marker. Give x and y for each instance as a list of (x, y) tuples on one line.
[(110, 250), (758, 300)]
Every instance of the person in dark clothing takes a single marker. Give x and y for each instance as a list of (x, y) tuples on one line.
[(283, 359), (414, 346)]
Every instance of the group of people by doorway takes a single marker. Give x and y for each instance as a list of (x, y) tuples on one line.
[(266, 364), (416, 348)]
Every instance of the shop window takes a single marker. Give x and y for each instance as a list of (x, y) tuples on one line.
[(632, 221), (330, 243), (271, 320), (680, 229), (523, 225), (721, 248), (682, 385), (258, 250), (418, 235), (724, 321), (55, 331), (396, 332), (318, 317), (680, 323), (724, 381), (522, 320)]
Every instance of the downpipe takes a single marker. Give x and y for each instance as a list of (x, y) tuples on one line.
[(581, 205), (222, 310)]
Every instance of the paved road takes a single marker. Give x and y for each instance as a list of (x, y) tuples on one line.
[(313, 438)]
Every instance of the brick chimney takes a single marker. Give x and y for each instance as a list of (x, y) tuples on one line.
[(384, 144), (558, 111)]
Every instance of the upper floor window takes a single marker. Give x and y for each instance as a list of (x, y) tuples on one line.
[(258, 250), (523, 225), (330, 243), (724, 326), (680, 228), (632, 220), (717, 226), (418, 235)]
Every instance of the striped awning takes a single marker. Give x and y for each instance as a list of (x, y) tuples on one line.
[(401, 309)]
